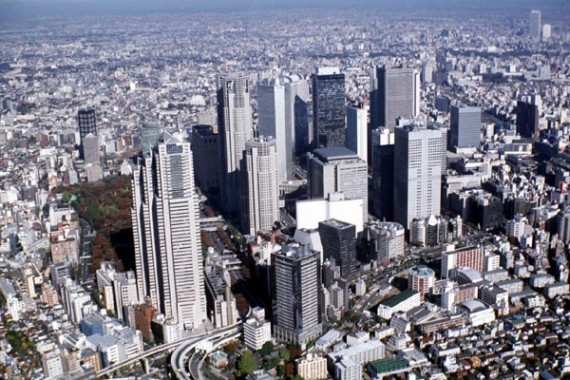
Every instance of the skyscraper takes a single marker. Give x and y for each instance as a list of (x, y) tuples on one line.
[(90, 144), (206, 153), (535, 24), (357, 131), (235, 128), (527, 118), (150, 134), (297, 101), (87, 123), (418, 155), (338, 170), (465, 127), (271, 110), (262, 209), (398, 95), (166, 232), (383, 173), (297, 282), (329, 111), (339, 242)]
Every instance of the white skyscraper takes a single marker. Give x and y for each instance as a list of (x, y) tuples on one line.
[(418, 155), (235, 128), (546, 32), (535, 24), (297, 98), (262, 185), (166, 232), (272, 121), (357, 131)]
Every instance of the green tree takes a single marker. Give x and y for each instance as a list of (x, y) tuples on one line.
[(271, 363), (247, 363), (267, 348), (284, 354)]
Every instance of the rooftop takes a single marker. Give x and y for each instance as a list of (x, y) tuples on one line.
[(397, 299)]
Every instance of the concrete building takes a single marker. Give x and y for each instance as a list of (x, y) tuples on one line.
[(221, 303), (386, 241), (421, 279), (150, 135), (235, 127), (313, 367), (468, 257), (333, 170), (535, 24), (90, 146), (166, 232), (357, 131), (329, 110), (418, 156), (297, 303), (262, 185), (87, 124), (398, 95), (310, 212), (404, 301), (297, 113), (256, 330)]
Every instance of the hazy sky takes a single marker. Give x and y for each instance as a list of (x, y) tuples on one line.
[(14, 8)]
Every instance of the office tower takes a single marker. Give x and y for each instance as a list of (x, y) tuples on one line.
[(235, 128), (398, 95), (297, 101), (87, 122), (339, 242), (262, 209), (535, 24), (338, 170), (297, 309), (465, 127), (374, 102), (546, 32), (383, 173), (206, 152), (357, 131), (90, 144), (527, 118), (150, 134), (166, 232), (221, 303), (418, 155), (385, 241), (271, 110), (329, 111)]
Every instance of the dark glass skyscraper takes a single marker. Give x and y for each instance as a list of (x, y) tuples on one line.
[(87, 122), (329, 111), (339, 242), (465, 127), (527, 119)]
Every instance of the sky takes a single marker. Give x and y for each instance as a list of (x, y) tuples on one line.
[(10, 9)]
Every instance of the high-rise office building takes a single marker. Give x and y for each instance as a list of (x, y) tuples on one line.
[(87, 123), (297, 306), (357, 131), (165, 213), (535, 24), (262, 209), (546, 32), (398, 95), (338, 170), (339, 243), (418, 155), (235, 128), (150, 134), (527, 118), (271, 111), (329, 110), (297, 106), (385, 241), (465, 127), (206, 153), (383, 173), (90, 144)]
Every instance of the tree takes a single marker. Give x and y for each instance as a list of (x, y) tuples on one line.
[(284, 354), (247, 363), (271, 363), (267, 348), (231, 347), (295, 351)]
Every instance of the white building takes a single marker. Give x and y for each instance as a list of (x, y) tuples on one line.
[(312, 367), (477, 312), (418, 155), (335, 206), (256, 332), (52, 363), (262, 209), (357, 131), (404, 301), (167, 232)]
